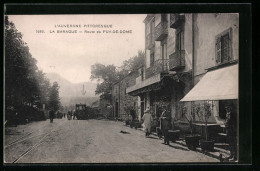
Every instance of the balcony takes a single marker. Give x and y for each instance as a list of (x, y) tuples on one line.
[(176, 20), (161, 31), (158, 66), (177, 60)]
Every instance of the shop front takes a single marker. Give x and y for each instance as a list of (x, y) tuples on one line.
[(219, 89)]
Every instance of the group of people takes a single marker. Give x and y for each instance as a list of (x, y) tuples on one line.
[(71, 115), (165, 118), (52, 115), (165, 124)]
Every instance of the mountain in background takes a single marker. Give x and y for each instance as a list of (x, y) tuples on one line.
[(71, 93)]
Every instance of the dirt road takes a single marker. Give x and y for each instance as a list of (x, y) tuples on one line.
[(90, 141)]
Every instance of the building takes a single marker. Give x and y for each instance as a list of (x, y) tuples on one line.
[(105, 106), (181, 50), (122, 102)]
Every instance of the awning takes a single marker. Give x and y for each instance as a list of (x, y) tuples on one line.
[(145, 83), (155, 86), (220, 84)]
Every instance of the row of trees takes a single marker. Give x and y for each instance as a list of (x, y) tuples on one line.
[(110, 74), (25, 85)]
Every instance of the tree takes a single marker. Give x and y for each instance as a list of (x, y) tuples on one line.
[(20, 69), (110, 74), (54, 99), (44, 86), (132, 64), (26, 87)]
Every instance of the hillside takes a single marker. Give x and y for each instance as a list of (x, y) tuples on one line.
[(71, 93)]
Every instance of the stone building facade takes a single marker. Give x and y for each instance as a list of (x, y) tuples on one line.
[(122, 102)]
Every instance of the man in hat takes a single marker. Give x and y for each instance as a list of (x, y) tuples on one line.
[(165, 125), (148, 119), (231, 128)]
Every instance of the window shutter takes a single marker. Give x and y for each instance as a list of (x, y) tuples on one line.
[(225, 48), (218, 50)]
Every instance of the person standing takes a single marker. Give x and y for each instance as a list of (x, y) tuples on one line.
[(51, 115), (231, 128), (148, 119), (165, 125)]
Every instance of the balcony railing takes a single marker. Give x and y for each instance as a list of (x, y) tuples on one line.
[(158, 66), (176, 20), (177, 60), (161, 31)]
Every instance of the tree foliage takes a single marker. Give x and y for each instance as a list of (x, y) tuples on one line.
[(110, 74), (132, 64), (107, 74), (54, 99), (25, 84)]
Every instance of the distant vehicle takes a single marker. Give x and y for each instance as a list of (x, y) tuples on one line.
[(83, 112)]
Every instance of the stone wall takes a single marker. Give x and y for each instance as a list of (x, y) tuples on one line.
[(125, 100)]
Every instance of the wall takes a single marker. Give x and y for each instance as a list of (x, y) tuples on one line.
[(157, 19), (125, 99), (188, 42), (208, 26), (147, 58)]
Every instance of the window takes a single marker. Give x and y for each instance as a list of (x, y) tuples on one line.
[(180, 40), (223, 47), (151, 59)]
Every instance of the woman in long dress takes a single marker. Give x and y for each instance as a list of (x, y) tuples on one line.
[(148, 119)]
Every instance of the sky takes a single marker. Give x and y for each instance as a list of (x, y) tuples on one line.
[(72, 54)]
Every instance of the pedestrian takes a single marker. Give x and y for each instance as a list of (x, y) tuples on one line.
[(148, 119), (165, 125), (69, 115), (231, 128), (74, 115), (51, 115), (133, 114)]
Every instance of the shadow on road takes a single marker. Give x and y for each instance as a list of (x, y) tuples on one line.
[(124, 132), (180, 148), (152, 138)]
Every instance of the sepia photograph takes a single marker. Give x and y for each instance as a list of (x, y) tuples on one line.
[(121, 88)]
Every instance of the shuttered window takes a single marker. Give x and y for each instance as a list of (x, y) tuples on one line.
[(223, 47)]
